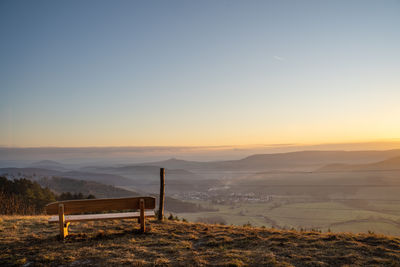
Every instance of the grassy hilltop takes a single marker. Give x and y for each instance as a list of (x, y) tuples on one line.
[(31, 241)]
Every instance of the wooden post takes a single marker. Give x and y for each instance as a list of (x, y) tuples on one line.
[(142, 218), (162, 192), (62, 223)]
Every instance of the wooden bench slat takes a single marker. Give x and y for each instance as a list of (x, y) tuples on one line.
[(105, 216), (71, 211), (99, 205)]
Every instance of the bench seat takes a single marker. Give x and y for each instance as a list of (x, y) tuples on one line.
[(69, 211), (105, 216)]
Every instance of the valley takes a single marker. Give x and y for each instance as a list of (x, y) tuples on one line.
[(356, 191)]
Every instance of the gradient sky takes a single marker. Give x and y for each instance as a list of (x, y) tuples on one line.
[(120, 73)]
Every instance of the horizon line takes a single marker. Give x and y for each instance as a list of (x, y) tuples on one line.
[(277, 145)]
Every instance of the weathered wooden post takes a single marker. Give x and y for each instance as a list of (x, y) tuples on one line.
[(62, 223), (142, 216), (162, 191)]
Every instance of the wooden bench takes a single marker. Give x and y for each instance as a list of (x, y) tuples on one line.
[(65, 210)]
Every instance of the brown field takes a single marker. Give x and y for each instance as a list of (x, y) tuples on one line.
[(31, 241)]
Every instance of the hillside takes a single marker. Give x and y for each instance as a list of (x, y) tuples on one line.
[(388, 164), (281, 161), (38, 173), (30, 241), (48, 164), (145, 174), (62, 184), (146, 178)]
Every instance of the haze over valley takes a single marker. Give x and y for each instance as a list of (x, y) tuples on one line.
[(353, 191)]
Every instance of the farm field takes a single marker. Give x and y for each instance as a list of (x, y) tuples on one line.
[(323, 216)]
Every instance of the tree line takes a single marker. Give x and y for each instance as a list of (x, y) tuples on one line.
[(25, 197)]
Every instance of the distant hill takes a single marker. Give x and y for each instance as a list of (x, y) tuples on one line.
[(146, 173), (48, 164), (389, 164), (306, 160), (182, 170), (147, 178), (143, 173), (174, 163), (63, 184), (89, 186), (37, 173)]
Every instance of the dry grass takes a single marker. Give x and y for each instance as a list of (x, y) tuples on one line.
[(30, 241)]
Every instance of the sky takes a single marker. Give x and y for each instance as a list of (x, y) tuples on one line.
[(198, 73)]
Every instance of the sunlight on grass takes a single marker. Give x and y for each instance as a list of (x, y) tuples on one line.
[(30, 239)]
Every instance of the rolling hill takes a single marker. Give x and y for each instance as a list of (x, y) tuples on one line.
[(302, 160), (63, 184), (146, 178), (48, 164), (389, 164), (145, 173), (37, 173), (182, 170)]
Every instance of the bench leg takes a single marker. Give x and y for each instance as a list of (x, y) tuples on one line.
[(142, 218), (63, 225)]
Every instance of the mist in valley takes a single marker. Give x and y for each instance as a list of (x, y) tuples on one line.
[(331, 190)]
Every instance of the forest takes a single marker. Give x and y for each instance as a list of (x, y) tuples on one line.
[(25, 197)]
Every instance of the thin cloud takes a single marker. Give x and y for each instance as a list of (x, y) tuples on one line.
[(279, 58)]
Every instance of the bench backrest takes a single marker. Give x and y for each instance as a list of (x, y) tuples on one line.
[(99, 205)]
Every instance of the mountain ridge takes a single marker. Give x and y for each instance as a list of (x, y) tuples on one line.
[(308, 158), (388, 164), (35, 173)]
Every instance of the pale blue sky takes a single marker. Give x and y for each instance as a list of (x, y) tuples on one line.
[(104, 73)]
